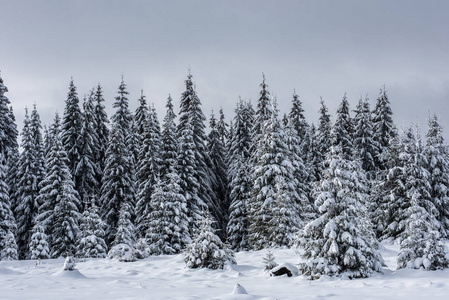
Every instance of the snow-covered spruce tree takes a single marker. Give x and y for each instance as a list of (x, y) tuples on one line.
[(364, 146), (191, 121), (91, 238), (323, 140), (223, 131), (262, 114), (207, 250), (341, 239), (8, 127), (240, 176), (39, 247), (12, 160), (312, 156), (126, 232), (71, 129), (273, 209), (269, 260), (118, 179), (218, 154), (139, 124), (169, 144), (60, 201), (8, 246), (102, 130), (147, 169), (342, 132), (421, 246), (168, 231), (437, 156), (384, 130), (86, 170), (29, 176), (297, 120)]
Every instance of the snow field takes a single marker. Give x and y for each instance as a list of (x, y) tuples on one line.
[(165, 277)]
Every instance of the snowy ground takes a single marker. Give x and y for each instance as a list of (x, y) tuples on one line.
[(165, 277)]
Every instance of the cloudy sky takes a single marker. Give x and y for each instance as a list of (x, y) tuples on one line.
[(319, 48)]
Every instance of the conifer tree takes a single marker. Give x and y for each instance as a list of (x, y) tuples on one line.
[(323, 139), (297, 120), (102, 130), (71, 129), (437, 157), (341, 239), (383, 129), (39, 247), (12, 162), (168, 230), (8, 127), (169, 143), (126, 232), (207, 250), (342, 131), (364, 147), (140, 120), (29, 177), (273, 206), (87, 170), (262, 114), (91, 239), (240, 177)]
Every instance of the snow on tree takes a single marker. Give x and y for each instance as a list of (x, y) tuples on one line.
[(169, 143), (383, 129), (262, 114), (71, 129), (341, 239), (69, 264), (269, 260), (207, 250), (87, 170), (191, 115), (147, 169), (126, 232), (12, 161), (91, 238), (342, 131), (139, 124), (323, 138), (118, 179), (364, 146), (102, 130), (8, 247), (297, 120), (8, 127), (168, 230), (273, 207), (437, 156), (39, 247), (218, 153), (240, 176), (29, 175)]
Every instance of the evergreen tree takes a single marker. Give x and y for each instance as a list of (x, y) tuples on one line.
[(342, 132), (240, 176), (438, 165), (273, 206), (91, 240), (297, 120), (383, 129), (118, 180), (341, 239), (263, 114), (169, 144), (71, 129), (102, 130), (140, 120), (323, 139), (126, 232), (12, 163), (207, 250), (364, 146), (168, 231), (29, 176), (8, 127), (268, 260), (39, 245), (87, 170)]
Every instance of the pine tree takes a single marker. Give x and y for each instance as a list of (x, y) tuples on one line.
[(269, 260), (8, 128), (364, 146), (126, 232), (341, 239), (86, 171), (39, 243), (29, 175), (342, 131), (169, 143), (383, 129), (297, 120), (118, 180), (140, 120), (168, 230), (323, 139), (91, 239), (148, 169), (240, 177), (273, 206), (263, 114), (12, 163), (71, 129), (102, 130), (207, 250), (437, 157)]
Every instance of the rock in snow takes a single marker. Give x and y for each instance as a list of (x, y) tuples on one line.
[(283, 269), (239, 290)]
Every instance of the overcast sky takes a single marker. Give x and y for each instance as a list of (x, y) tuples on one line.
[(319, 48)]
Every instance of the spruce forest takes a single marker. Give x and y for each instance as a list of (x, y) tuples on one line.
[(128, 186)]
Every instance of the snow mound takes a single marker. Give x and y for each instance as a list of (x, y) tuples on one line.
[(7, 271), (74, 274), (239, 290), (122, 252), (286, 268)]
